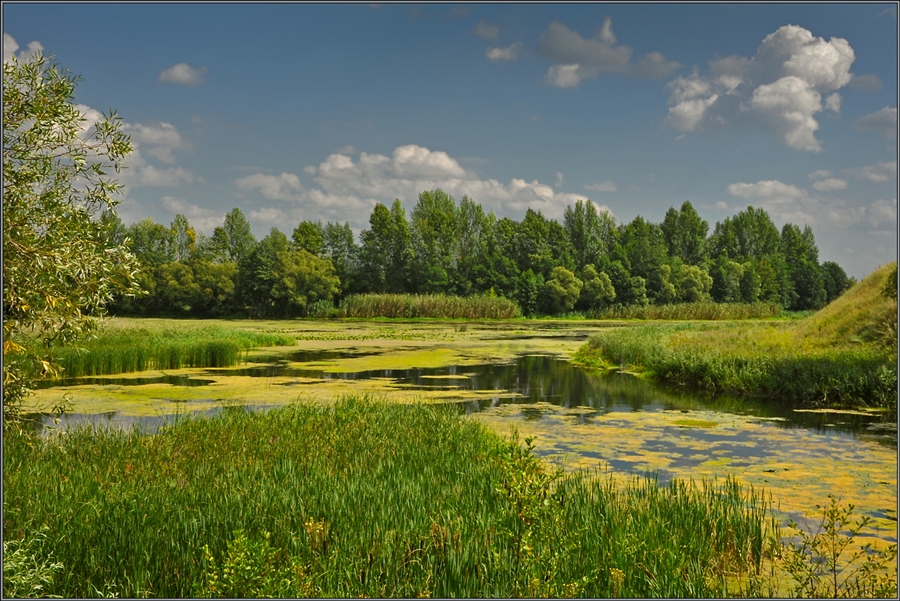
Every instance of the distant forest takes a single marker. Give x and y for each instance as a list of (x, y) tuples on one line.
[(587, 262)]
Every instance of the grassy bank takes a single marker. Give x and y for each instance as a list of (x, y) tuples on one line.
[(845, 354), (428, 305), (127, 349), (362, 498)]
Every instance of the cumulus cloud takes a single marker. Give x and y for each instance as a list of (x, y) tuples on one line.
[(606, 186), (10, 47), (510, 53), (878, 173), (830, 184), (486, 31), (884, 121), (820, 174), (346, 189), (867, 83), (792, 77), (577, 58), (184, 74), (158, 141), (286, 186), (788, 203)]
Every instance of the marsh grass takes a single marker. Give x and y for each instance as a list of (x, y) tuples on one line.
[(361, 498), (129, 349), (409, 306), (690, 311), (838, 356)]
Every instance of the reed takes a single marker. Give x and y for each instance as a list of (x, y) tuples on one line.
[(130, 349), (690, 311), (410, 306), (361, 498)]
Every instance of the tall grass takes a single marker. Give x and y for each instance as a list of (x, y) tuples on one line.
[(120, 350), (766, 361), (428, 305), (359, 499), (699, 311)]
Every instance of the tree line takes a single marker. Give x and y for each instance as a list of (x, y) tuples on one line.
[(586, 263)]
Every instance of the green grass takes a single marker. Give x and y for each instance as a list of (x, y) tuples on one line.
[(360, 498), (844, 354), (128, 349), (692, 311), (428, 305)]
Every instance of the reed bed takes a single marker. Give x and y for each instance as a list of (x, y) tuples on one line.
[(121, 350), (410, 306), (768, 361), (362, 498), (690, 311)]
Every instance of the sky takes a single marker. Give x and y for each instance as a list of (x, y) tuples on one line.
[(296, 112)]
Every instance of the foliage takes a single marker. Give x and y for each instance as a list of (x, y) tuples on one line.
[(27, 569), (598, 290), (59, 268), (253, 569), (410, 306), (301, 278), (561, 290), (233, 240), (824, 564)]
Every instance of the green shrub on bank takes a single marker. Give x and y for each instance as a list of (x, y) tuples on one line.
[(409, 306), (361, 499)]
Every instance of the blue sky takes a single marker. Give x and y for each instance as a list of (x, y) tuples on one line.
[(299, 111)]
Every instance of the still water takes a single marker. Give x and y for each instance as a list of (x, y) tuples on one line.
[(609, 421)]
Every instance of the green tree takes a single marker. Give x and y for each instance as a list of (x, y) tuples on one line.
[(386, 252), (561, 291), (298, 279), (340, 247), (802, 258), (233, 240), (598, 290), (60, 269), (685, 234), (435, 235), (835, 280), (309, 236), (591, 233), (695, 284), (256, 274), (184, 238)]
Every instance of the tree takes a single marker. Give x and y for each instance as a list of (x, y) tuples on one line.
[(233, 240), (300, 278), (802, 258), (435, 236), (309, 236), (835, 280), (60, 267), (685, 234), (386, 252), (561, 290), (598, 290), (341, 248), (184, 238), (256, 273)]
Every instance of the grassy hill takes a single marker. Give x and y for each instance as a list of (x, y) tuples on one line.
[(863, 314)]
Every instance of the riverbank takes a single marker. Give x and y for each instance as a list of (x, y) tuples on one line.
[(844, 355)]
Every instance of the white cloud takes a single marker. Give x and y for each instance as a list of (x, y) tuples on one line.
[(510, 53), (184, 74), (607, 186), (274, 187), (830, 184), (820, 174), (787, 203), (10, 46), (347, 189), (576, 58), (879, 172), (148, 175), (158, 140), (486, 31), (867, 83), (883, 120), (781, 86), (271, 216), (202, 220)]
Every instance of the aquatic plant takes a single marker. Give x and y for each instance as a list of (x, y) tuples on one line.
[(428, 305), (689, 311), (151, 346), (361, 498)]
